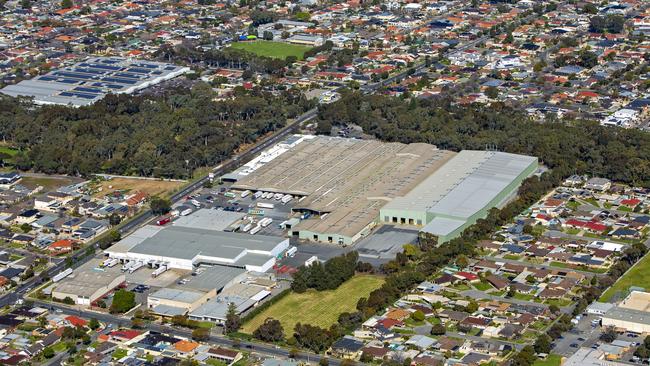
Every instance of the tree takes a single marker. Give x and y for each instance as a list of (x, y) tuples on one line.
[(201, 334), (123, 301), (543, 344), (512, 292), (589, 8), (114, 219), (233, 321), (609, 335), (269, 331), (26, 227), (438, 329), (417, 315), (66, 4), (492, 92), (48, 352), (160, 206), (93, 324)]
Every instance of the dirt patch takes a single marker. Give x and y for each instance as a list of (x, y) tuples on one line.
[(126, 185)]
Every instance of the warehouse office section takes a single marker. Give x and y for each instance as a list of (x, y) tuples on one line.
[(460, 192)]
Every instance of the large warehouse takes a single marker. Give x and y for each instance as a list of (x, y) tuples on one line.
[(89, 81), (185, 248), (344, 182), (348, 186), (460, 192)]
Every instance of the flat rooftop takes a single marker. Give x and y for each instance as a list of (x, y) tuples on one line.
[(209, 219), (347, 179), (86, 283), (89, 81), (465, 185), (216, 247), (628, 315)]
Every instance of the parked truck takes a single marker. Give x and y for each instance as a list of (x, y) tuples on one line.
[(266, 222), (136, 267), (258, 194), (265, 205), (160, 270), (291, 251), (255, 230), (286, 199)]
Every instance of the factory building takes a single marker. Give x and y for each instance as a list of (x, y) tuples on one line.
[(185, 248), (631, 315), (84, 288), (89, 81), (460, 192), (345, 187)]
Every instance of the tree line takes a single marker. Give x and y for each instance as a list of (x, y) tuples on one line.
[(163, 136), (327, 276), (581, 147)]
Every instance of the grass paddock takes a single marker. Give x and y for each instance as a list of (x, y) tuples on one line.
[(317, 308), (272, 49)]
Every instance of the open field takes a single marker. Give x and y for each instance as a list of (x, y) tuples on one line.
[(49, 183), (639, 275), (551, 360), (149, 186), (317, 308), (272, 49)]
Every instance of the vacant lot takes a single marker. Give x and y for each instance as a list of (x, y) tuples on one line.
[(272, 49), (317, 308), (551, 360), (48, 182), (151, 187), (639, 275)]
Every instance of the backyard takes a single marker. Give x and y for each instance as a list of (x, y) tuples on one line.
[(317, 308), (272, 49)]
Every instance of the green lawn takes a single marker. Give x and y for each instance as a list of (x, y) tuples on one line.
[(512, 257), (551, 360), (586, 269), (272, 49), (482, 286), (59, 347), (639, 275), (7, 150), (316, 308)]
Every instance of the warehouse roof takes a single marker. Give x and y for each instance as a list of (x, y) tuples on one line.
[(88, 81), (182, 296), (465, 184), (209, 219), (628, 315), (213, 277), (442, 226), (86, 283), (187, 243), (348, 179)]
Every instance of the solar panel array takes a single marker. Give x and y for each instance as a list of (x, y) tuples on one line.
[(90, 80)]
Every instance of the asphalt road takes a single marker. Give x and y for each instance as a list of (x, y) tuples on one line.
[(263, 349)]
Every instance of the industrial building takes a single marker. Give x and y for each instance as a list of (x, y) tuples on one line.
[(86, 287), (89, 81), (631, 315), (460, 192), (347, 186), (343, 183), (185, 248), (171, 301)]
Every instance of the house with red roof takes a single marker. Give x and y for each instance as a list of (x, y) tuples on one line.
[(467, 276), (76, 321), (61, 246)]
